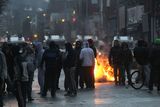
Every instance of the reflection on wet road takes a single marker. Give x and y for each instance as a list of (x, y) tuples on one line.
[(105, 95)]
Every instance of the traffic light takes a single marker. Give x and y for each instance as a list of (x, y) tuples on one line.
[(74, 19)]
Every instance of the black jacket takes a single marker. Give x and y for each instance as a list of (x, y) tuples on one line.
[(127, 57), (154, 58), (115, 56), (94, 50), (141, 55), (78, 61), (52, 58), (70, 59)]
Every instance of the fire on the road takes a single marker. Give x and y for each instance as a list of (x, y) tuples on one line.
[(103, 71)]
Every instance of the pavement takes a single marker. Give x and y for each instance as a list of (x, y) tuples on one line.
[(104, 95)]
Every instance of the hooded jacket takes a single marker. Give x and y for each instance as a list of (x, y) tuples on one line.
[(70, 57), (3, 66), (87, 55), (21, 72)]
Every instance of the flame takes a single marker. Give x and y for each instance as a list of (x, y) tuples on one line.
[(103, 71)]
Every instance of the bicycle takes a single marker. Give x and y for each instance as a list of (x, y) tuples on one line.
[(137, 79)]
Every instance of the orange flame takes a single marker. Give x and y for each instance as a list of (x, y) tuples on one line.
[(103, 71)]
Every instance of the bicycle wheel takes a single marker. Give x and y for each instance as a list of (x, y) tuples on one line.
[(137, 80)]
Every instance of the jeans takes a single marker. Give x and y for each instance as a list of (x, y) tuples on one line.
[(70, 83), (58, 77), (29, 85), (50, 81), (88, 79), (119, 78), (154, 78), (41, 79), (126, 68), (21, 90), (146, 69), (79, 77)]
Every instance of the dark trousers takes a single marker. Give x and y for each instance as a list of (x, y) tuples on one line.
[(154, 78), (79, 77), (87, 76), (70, 84), (41, 78), (66, 80), (92, 77), (58, 77), (118, 78), (1, 92), (10, 78), (29, 86), (126, 68), (21, 90), (50, 81)]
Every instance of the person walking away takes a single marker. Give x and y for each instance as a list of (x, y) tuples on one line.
[(21, 75), (127, 60), (88, 60), (155, 67), (30, 68), (38, 58), (3, 75), (78, 74), (69, 69), (7, 50), (141, 54), (51, 59), (115, 56), (59, 68), (91, 45)]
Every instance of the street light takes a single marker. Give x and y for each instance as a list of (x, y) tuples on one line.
[(28, 17), (63, 20), (74, 12), (35, 36), (44, 14)]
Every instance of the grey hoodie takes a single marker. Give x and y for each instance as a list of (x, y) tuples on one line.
[(87, 55)]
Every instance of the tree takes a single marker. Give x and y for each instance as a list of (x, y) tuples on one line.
[(2, 4)]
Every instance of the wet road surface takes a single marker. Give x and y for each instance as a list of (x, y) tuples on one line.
[(105, 95)]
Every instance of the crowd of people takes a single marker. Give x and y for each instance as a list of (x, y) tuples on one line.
[(146, 56), (19, 61)]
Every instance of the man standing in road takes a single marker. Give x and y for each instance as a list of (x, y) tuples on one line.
[(87, 56), (141, 54), (155, 67), (3, 75), (115, 61), (51, 58), (91, 45)]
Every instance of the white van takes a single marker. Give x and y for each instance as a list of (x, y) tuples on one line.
[(128, 39)]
